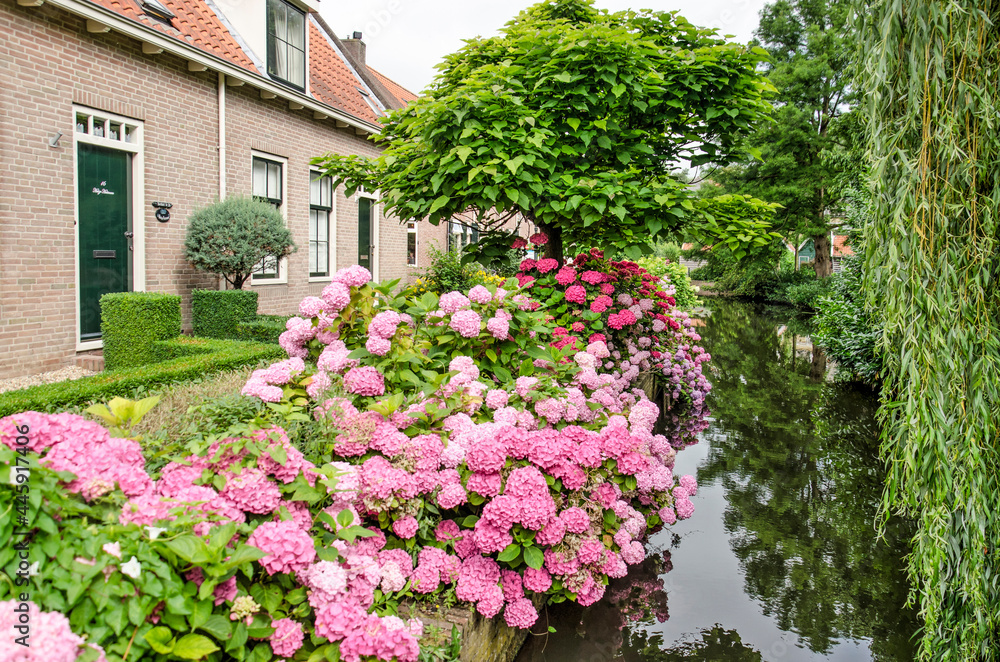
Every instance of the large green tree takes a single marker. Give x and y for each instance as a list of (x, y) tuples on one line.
[(932, 109), (573, 119), (810, 47)]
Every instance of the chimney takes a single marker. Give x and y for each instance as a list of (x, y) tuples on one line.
[(355, 48)]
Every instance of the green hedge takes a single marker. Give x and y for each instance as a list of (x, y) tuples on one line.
[(266, 328), (133, 322), (216, 313), (195, 357)]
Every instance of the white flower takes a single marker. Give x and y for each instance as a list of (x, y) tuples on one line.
[(132, 568), (33, 569), (154, 532), (113, 548)]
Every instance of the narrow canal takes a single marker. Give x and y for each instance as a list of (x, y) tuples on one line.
[(781, 560)]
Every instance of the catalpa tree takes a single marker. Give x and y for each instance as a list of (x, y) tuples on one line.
[(575, 119)]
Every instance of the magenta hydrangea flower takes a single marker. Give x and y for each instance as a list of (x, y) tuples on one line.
[(287, 637), (446, 531), (538, 580), (577, 294), (547, 264), (491, 602), (364, 380), (452, 496), (539, 239), (476, 576), (592, 277), (519, 243), (288, 547), (486, 456), (600, 304), (566, 275), (466, 323)]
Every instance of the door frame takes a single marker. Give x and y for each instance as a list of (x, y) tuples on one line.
[(377, 243), (134, 147)]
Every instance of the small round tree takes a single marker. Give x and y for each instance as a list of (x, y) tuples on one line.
[(232, 236)]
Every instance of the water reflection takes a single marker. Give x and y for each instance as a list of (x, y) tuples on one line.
[(781, 560)]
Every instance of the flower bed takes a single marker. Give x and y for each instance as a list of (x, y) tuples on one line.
[(444, 448)]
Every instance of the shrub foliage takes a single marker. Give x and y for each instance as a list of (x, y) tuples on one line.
[(218, 313), (132, 323)]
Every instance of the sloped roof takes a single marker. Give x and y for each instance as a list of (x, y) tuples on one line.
[(395, 88), (194, 23), (331, 81)]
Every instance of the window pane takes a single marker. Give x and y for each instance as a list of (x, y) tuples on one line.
[(274, 181), (315, 195), (279, 13), (99, 127), (313, 263), (81, 123), (281, 60), (411, 248), (129, 133), (296, 29), (323, 226), (115, 132), (260, 178), (296, 67)]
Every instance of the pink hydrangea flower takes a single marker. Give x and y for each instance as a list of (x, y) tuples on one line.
[(600, 304), (539, 239), (405, 527), (353, 276), (288, 547), (577, 294), (336, 295), (498, 326), (519, 243), (480, 295), (592, 277), (538, 581), (466, 323), (497, 398), (520, 614), (252, 492), (452, 496), (378, 346), (689, 484), (287, 637), (452, 302), (547, 264), (364, 380), (311, 307)]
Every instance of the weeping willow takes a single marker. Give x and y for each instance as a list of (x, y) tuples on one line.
[(930, 84)]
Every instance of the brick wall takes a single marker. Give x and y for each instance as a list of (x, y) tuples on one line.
[(48, 61)]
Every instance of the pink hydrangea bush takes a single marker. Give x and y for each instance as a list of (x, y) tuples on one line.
[(623, 305), (550, 472), (244, 524)]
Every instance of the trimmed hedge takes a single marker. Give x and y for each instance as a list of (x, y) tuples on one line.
[(266, 328), (195, 357), (216, 313), (133, 322)]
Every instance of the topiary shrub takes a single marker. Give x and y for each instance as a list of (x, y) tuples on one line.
[(265, 328), (133, 322), (216, 313), (231, 237)]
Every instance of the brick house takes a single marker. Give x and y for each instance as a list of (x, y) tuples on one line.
[(113, 109)]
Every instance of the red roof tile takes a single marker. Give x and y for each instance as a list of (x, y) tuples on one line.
[(331, 81), (398, 90), (194, 23)]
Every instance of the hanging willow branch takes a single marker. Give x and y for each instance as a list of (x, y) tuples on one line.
[(931, 82)]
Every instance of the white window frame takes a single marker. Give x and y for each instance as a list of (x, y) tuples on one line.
[(376, 215), (282, 278), (331, 235), (135, 147), (416, 244)]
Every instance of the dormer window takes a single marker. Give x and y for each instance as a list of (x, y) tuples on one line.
[(156, 9), (286, 43)]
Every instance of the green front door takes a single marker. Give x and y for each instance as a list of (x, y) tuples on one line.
[(365, 244), (104, 204)]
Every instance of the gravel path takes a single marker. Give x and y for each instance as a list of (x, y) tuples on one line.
[(72, 372)]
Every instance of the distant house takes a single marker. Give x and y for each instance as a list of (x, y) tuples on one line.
[(839, 249), (121, 117)]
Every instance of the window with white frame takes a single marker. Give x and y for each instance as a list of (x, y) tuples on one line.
[(286, 43), (320, 205), (268, 186), (411, 243), (461, 235)]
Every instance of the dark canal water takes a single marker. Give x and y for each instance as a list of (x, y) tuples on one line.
[(781, 561)]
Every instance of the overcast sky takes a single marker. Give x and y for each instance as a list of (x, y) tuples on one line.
[(406, 38)]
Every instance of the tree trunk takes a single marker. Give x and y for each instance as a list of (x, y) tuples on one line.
[(823, 262), (554, 247), (817, 369)]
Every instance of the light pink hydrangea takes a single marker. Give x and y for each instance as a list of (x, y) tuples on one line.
[(336, 295), (311, 306), (353, 276), (480, 295), (252, 492), (498, 326), (466, 323), (384, 324), (51, 638), (405, 527), (378, 346)]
